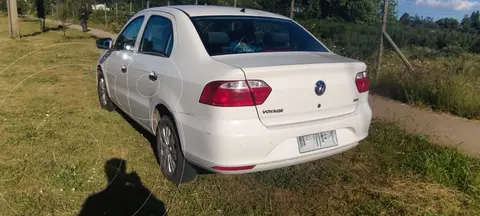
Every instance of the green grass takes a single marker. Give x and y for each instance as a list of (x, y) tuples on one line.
[(447, 84), (55, 141)]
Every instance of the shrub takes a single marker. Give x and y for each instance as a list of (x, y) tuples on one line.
[(360, 41)]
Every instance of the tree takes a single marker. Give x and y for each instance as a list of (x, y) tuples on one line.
[(466, 23), (63, 16), (405, 19), (475, 18), (39, 5), (475, 48), (448, 23)]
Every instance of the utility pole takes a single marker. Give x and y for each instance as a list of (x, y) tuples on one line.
[(292, 8), (13, 28), (382, 30)]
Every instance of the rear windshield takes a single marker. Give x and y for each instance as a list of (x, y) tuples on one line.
[(230, 35)]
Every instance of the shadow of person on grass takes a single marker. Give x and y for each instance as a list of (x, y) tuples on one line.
[(124, 195)]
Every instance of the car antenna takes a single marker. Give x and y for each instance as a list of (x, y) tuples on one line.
[(243, 10)]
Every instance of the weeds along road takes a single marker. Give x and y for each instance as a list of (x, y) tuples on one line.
[(442, 128)]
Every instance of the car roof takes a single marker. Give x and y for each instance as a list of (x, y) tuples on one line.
[(207, 10)]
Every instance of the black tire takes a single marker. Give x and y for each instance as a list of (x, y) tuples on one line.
[(183, 171), (103, 97)]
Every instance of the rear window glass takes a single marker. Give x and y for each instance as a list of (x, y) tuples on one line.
[(231, 35)]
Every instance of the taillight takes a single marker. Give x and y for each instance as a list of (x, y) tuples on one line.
[(362, 82), (235, 93)]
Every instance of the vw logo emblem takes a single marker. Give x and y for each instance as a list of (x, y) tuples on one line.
[(320, 88)]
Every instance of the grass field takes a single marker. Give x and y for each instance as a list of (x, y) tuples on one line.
[(55, 141)]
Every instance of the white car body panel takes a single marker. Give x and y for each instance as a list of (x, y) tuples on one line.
[(240, 136), (292, 77)]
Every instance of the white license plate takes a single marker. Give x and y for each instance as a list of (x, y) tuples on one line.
[(317, 141)]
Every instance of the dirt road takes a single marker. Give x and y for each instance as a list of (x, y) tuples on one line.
[(442, 128)]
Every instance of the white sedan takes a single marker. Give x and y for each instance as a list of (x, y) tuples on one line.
[(232, 90)]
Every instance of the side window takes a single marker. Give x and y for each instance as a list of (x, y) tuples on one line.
[(129, 34), (157, 38)]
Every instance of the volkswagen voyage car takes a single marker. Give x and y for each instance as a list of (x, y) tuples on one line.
[(232, 90)]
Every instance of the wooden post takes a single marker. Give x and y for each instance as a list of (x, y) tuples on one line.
[(404, 59), (13, 28), (9, 19), (292, 8), (382, 30), (66, 12), (105, 10), (148, 4), (234, 3), (73, 12), (116, 12), (168, 2), (131, 6), (196, 2)]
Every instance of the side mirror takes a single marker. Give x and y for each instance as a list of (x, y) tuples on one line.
[(104, 43)]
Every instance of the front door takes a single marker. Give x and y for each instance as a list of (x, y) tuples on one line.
[(150, 65), (119, 61)]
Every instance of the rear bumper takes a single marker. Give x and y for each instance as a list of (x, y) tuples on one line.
[(228, 143)]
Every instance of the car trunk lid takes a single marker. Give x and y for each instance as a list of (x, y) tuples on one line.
[(295, 79)]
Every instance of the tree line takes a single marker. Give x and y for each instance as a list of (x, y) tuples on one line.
[(469, 23), (350, 27)]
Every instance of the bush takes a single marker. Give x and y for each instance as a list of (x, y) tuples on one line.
[(475, 48), (452, 51), (353, 40), (360, 41)]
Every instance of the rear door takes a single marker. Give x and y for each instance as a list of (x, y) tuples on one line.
[(150, 65)]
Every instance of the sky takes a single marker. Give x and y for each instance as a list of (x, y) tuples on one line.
[(438, 8)]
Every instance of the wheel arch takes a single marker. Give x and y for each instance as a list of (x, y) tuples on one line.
[(161, 110), (100, 72)]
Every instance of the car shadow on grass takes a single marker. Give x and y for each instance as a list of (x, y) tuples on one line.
[(125, 195), (146, 134)]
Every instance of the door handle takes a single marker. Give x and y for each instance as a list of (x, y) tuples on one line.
[(153, 76), (124, 69)]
